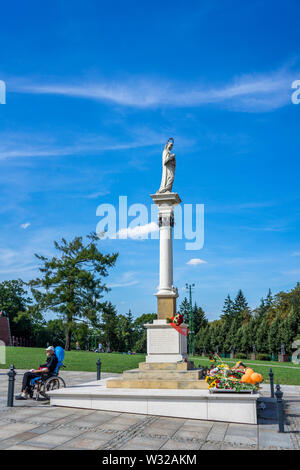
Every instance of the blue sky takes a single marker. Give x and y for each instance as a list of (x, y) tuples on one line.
[(94, 89)]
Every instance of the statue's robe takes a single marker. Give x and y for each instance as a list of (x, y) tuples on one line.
[(168, 172)]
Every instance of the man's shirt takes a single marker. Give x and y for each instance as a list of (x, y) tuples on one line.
[(51, 363)]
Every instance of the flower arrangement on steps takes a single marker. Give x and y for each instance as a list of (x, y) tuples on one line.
[(237, 378)]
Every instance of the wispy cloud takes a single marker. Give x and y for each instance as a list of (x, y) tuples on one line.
[(126, 280), (25, 226), (19, 146), (252, 92), (97, 194)]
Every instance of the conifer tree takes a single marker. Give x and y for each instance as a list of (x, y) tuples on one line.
[(71, 283)]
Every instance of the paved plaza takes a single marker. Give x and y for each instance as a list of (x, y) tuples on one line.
[(32, 425)]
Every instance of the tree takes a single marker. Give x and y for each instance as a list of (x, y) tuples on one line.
[(71, 283), (140, 332), (261, 338), (16, 304), (184, 309), (227, 309), (109, 327), (291, 328), (275, 335), (125, 332), (240, 304), (200, 319)]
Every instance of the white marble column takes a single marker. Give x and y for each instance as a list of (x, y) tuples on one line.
[(166, 203)]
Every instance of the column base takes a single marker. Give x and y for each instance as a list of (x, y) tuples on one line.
[(166, 307)]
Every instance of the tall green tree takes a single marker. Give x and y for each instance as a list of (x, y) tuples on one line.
[(275, 338), (200, 319), (184, 309), (227, 311), (71, 283), (110, 328)]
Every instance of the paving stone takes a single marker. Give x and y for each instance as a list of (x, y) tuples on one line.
[(52, 438), (23, 447), (227, 446), (208, 445), (192, 434), (180, 445), (272, 439), (241, 434), (143, 444), (83, 442), (217, 432), (12, 429)]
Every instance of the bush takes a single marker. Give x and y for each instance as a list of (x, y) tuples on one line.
[(262, 357), (240, 355)]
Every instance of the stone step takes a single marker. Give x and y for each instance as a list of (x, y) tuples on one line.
[(166, 365), (157, 384), (162, 374)]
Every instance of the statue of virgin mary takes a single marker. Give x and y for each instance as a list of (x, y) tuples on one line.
[(168, 165)]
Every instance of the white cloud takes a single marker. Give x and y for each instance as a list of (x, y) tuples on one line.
[(138, 232), (126, 280), (196, 261), (253, 92), (25, 226)]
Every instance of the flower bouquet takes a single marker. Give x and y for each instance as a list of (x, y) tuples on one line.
[(237, 379)]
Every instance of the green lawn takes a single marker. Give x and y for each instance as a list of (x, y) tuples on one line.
[(28, 358)]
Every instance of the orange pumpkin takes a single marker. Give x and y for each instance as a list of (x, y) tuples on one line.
[(256, 378), (244, 378), (249, 371)]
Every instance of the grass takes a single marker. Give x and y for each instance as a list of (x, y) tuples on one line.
[(27, 358)]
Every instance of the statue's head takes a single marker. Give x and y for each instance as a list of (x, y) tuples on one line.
[(170, 143)]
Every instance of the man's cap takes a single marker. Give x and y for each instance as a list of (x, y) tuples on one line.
[(50, 348)]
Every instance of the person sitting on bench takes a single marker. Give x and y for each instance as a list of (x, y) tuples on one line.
[(45, 369)]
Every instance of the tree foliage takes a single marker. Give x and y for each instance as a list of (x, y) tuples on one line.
[(71, 283)]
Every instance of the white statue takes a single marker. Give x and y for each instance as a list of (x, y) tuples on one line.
[(168, 164)]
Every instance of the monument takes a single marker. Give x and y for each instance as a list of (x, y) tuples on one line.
[(164, 344), (167, 383)]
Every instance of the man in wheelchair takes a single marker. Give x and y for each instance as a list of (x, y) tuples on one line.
[(45, 371)]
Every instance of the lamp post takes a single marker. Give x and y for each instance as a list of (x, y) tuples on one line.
[(191, 336)]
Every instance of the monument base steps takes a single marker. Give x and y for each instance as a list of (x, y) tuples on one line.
[(161, 375)]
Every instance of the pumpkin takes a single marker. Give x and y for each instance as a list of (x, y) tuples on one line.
[(249, 371), (244, 378), (255, 378)]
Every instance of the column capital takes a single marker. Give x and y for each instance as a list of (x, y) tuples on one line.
[(166, 200)]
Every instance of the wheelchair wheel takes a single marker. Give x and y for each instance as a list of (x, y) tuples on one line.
[(53, 383)]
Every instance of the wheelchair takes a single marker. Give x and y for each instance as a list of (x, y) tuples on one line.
[(41, 385)]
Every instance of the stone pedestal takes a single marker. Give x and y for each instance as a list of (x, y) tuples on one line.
[(253, 356), (164, 343)]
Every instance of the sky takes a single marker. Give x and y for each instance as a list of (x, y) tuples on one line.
[(93, 91)]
